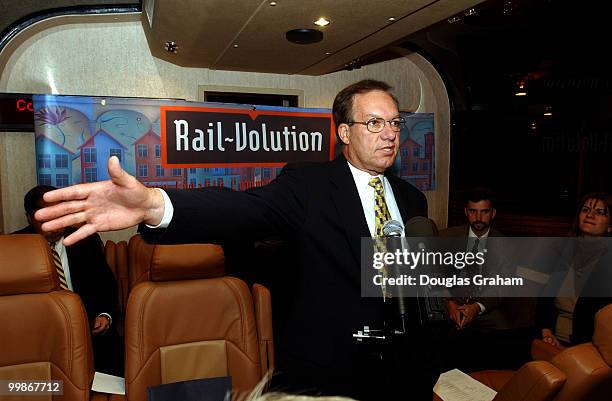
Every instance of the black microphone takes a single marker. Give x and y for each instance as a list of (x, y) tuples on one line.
[(431, 309), (392, 232)]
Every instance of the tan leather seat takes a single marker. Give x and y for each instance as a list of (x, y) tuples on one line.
[(139, 261), (190, 322), (44, 332), (586, 367), (534, 381)]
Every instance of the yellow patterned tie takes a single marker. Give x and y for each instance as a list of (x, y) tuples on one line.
[(381, 216), (381, 212), (57, 261)]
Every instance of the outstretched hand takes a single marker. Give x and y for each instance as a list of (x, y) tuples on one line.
[(115, 204)]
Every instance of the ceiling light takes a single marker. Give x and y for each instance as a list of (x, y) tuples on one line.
[(322, 22), (235, 46), (548, 111), (272, 3), (391, 19), (328, 53), (522, 89), (454, 19), (171, 47)]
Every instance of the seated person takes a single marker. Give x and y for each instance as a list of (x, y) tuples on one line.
[(82, 269), (488, 331), (566, 319)]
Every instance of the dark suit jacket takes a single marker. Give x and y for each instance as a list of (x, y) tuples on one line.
[(91, 277), (500, 313), (317, 208), (462, 232)]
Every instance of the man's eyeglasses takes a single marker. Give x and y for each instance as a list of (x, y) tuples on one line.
[(377, 124)]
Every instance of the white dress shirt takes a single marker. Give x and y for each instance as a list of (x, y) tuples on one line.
[(482, 242), (367, 194)]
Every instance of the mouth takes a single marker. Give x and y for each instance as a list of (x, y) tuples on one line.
[(389, 150)]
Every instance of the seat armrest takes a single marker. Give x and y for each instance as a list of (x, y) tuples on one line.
[(534, 381)]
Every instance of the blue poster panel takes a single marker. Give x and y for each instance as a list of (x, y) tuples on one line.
[(75, 136), (415, 161), (179, 144)]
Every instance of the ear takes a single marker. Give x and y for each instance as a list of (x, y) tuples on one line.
[(493, 213), (343, 133), (465, 211)]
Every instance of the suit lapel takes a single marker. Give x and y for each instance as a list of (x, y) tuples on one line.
[(348, 205)]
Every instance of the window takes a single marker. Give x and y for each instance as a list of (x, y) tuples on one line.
[(61, 161), (61, 180), (143, 170), (425, 166), (415, 152), (404, 152), (157, 150), (177, 172), (91, 174), (192, 171), (415, 167), (143, 151), (89, 155), (44, 161), (115, 152), (278, 171), (159, 171), (44, 179), (266, 172)]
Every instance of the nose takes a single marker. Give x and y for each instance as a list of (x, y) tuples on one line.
[(387, 133)]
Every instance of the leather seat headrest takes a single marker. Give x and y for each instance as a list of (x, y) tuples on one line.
[(185, 262), (602, 338), (26, 266)]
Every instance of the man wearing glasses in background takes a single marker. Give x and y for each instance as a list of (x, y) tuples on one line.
[(323, 210)]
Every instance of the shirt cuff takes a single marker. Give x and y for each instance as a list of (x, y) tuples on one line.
[(168, 211), (110, 319), (482, 308)]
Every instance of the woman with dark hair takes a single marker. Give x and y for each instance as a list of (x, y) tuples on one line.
[(568, 319)]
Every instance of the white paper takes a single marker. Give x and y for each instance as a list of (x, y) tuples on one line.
[(104, 383), (455, 385)]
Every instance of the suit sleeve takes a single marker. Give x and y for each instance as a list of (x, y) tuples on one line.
[(216, 215)]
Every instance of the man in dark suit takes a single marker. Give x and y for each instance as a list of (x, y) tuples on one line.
[(480, 212), (85, 272), (323, 210), (490, 331)]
